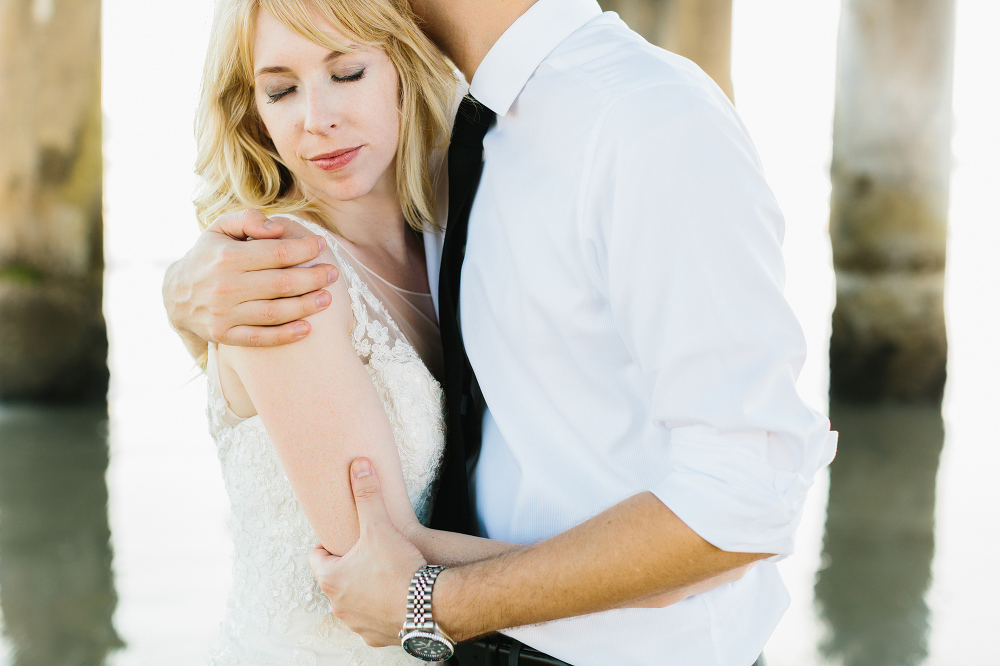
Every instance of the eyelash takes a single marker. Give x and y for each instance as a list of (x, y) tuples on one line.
[(274, 97), (356, 76)]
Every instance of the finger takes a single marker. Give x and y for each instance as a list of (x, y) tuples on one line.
[(265, 336), (285, 282), (247, 223), (265, 254), (320, 559), (278, 311), (322, 563), (367, 494)]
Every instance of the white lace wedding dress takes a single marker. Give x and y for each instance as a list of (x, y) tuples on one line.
[(276, 613)]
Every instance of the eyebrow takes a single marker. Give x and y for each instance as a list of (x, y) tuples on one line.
[(280, 69)]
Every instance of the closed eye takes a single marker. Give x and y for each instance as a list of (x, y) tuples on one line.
[(356, 76), (275, 96)]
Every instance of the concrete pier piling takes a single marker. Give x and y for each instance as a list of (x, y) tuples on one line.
[(53, 341), (888, 221)]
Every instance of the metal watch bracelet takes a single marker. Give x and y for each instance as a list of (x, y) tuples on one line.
[(418, 600), (420, 636)]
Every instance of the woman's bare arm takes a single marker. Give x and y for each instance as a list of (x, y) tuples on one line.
[(322, 411)]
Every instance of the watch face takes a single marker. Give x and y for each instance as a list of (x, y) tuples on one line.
[(427, 647)]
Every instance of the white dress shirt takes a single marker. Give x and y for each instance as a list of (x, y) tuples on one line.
[(621, 304)]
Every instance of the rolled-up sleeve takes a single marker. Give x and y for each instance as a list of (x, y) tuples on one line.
[(690, 238)]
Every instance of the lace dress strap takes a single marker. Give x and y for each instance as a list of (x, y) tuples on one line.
[(374, 327)]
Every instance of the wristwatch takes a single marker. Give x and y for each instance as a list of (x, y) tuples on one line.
[(420, 635)]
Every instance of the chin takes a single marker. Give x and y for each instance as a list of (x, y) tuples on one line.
[(347, 191)]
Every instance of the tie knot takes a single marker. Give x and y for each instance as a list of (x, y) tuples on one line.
[(472, 122)]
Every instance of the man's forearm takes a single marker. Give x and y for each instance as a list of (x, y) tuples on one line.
[(636, 550)]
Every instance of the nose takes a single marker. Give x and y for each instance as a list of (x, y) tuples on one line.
[(322, 114)]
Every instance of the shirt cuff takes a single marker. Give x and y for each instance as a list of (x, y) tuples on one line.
[(723, 488)]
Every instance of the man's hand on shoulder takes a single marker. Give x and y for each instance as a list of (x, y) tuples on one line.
[(232, 292)]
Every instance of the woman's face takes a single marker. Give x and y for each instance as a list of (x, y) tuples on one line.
[(333, 117)]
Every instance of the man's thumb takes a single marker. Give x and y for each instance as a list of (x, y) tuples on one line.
[(367, 492)]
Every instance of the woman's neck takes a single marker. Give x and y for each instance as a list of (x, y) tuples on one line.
[(374, 221), (377, 232)]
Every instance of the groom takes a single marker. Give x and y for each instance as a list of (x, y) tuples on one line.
[(621, 362)]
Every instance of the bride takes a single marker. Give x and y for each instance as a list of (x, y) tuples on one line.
[(324, 114)]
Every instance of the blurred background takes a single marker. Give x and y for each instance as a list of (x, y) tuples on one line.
[(876, 124)]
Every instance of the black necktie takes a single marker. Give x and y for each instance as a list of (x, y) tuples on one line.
[(463, 400)]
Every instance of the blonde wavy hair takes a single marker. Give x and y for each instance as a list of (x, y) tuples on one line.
[(238, 163)]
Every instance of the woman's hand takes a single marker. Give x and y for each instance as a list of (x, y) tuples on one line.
[(228, 291)]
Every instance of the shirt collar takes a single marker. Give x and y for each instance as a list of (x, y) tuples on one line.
[(523, 47)]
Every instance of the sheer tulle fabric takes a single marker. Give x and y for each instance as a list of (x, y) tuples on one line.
[(412, 312)]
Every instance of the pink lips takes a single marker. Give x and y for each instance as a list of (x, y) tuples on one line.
[(335, 160)]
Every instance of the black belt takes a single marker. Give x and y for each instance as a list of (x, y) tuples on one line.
[(500, 650)]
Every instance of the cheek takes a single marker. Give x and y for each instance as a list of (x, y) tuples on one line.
[(388, 116), (274, 129), (390, 129)]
